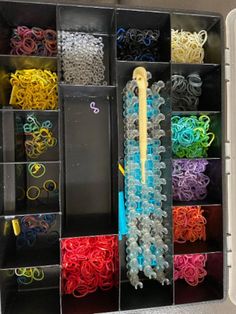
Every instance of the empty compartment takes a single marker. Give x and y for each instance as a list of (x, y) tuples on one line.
[(213, 230), (41, 295), (197, 22), (13, 14), (153, 293), (9, 65), (101, 261), (154, 21), (213, 191), (34, 242), (95, 24), (211, 288), (90, 161), (214, 150), (210, 95)]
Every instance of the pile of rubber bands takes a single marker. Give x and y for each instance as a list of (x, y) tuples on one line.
[(189, 224), (26, 276), (34, 89), (189, 183), (39, 136), (187, 47), (32, 226), (137, 45), (191, 268), (89, 263), (190, 136), (33, 41)]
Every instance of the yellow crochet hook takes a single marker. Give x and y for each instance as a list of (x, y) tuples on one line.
[(140, 75)]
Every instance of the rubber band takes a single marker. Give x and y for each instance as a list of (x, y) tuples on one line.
[(190, 268), (34, 168), (137, 45), (49, 185), (33, 41), (189, 183), (34, 89), (29, 191), (27, 275), (39, 137), (89, 263), (190, 136), (187, 47), (189, 224)]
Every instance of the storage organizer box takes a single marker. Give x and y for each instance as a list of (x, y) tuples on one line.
[(84, 164)]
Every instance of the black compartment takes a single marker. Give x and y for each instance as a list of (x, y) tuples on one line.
[(43, 251), (9, 64), (20, 118), (214, 189), (210, 100), (90, 162), (41, 296), (215, 149), (195, 23), (13, 14), (17, 180), (214, 238), (97, 302), (148, 20), (210, 289), (96, 21)]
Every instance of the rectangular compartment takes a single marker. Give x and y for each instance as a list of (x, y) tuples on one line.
[(40, 296), (25, 141), (144, 20), (13, 14), (9, 64), (197, 22), (24, 193), (214, 189), (210, 289), (100, 300), (31, 247), (210, 99), (215, 149), (214, 234), (90, 161), (95, 21)]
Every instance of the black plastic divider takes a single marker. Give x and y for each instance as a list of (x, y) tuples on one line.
[(13, 14), (39, 297), (153, 293), (210, 289), (210, 99)]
